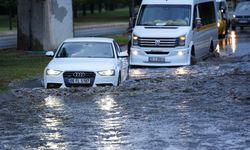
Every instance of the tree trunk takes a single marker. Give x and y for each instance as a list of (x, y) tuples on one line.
[(10, 18), (83, 9), (100, 7), (41, 24), (75, 11), (92, 8)]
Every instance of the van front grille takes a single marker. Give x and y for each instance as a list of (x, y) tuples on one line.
[(158, 42)]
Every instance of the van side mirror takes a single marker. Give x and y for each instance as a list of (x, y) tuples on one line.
[(198, 23), (50, 54)]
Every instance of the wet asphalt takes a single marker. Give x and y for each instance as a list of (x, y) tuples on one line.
[(203, 107)]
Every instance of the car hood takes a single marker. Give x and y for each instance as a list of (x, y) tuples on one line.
[(160, 32), (82, 64)]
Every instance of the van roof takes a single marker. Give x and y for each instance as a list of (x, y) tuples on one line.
[(190, 2)]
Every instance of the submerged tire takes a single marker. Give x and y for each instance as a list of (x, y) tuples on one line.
[(119, 80), (193, 60)]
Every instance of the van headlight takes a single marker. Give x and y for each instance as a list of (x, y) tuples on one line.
[(135, 40), (110, 72), (52, 72), (182, 40)]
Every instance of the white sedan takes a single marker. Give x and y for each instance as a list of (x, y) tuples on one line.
[(81, 62)]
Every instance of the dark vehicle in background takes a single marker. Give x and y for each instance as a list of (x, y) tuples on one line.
[(241, 17)]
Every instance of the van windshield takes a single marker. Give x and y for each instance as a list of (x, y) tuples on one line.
[(164, 15)]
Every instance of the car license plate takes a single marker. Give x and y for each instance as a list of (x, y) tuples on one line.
[(156, 59), (79, 81)]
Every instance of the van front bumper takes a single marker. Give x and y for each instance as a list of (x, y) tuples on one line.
[(170, 57)]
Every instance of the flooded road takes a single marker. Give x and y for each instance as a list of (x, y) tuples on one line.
[(203, 107)]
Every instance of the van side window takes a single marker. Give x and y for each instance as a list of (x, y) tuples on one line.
[(195, 16), (207, 13)]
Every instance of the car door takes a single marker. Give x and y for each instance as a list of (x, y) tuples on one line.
[(122, 62)]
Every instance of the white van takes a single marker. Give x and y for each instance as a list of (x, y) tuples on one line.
[(173, 33)]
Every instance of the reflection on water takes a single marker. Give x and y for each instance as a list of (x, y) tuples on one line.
[(184, 110), (110, 136), (182, 71), (233, 41), (107, 103), (228, 45), (51, 123), (136, 73)]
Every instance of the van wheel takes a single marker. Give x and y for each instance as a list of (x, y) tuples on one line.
[(193, 60), (119, 80), (211, 49)]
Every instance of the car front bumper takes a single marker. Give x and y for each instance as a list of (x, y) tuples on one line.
[(175, 57), (59, 81)]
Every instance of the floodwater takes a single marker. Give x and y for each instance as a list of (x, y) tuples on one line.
[(203, 107)]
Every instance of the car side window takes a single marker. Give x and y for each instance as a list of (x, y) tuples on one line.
[(117, 48)]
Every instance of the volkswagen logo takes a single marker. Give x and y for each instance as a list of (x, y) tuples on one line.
[(157, 42), (79, 74)]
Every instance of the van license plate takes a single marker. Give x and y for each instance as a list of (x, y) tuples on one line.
[(79, 81), (156, 59)]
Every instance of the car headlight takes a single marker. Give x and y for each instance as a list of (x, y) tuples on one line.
[(182, 40), (135, 40), (52, 72), (107, 72)]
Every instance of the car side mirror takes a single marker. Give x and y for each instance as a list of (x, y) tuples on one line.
[(123, 54), (50, 54), (198, 23)]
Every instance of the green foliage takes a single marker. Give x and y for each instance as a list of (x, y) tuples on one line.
[(4, 23), (8, 3), (15, 65)]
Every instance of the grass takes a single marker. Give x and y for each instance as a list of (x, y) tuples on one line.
[(18, 65), (4, 23), (121, 39), (118, 15)]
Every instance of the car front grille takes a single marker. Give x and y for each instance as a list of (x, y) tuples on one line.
[(78, 75), (158, 42)]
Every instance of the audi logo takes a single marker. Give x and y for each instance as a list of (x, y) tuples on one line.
[(79, 74), (157, 42)]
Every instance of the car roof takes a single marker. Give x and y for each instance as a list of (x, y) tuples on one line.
[(90, 39)]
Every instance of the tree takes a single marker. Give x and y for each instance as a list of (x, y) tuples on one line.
[(11, 5)]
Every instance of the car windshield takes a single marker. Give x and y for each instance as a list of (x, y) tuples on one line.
[(164, 15), (86, 50), (243, 8)]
